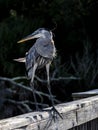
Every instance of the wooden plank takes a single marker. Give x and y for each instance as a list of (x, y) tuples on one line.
[(74, 114), (79, 95)]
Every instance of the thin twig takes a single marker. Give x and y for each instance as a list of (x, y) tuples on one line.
[(57, 79), (15, 83), (25, 104), (27, 88)]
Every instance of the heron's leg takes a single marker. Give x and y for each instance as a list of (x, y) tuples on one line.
[(32, 85), (54, 112), (48, 82)]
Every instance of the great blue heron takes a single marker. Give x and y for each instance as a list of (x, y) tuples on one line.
[(40, 54)]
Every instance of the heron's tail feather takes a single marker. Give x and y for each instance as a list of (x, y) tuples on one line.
[(20, 60)]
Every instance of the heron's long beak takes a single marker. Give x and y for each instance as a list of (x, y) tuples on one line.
[(29, 37)]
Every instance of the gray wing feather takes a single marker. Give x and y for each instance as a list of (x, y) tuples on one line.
[(30, 60), (45, 48)]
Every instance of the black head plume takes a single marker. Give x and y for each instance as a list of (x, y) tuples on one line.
[(54, 26)]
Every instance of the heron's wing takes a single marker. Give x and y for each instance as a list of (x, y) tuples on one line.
[(45, 48), (20, 60), (30, 60)]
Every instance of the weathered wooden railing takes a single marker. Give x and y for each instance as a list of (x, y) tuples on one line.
[(77, 115), (81, 95)]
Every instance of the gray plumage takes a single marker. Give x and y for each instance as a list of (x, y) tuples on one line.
[(40, 54)]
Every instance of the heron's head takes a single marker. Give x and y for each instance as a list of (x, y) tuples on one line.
[(41, 32)]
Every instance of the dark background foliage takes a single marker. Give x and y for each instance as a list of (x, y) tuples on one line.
[(76, 40)]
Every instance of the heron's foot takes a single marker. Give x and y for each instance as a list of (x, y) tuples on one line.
[(54, 114)]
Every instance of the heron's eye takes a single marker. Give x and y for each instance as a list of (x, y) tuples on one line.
[(40, 29)]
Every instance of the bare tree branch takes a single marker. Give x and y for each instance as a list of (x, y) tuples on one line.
[(25, 104), (27, 88), (15, 83), (58, 79), (19, 77)]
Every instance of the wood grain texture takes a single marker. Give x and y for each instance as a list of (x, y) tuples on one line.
[(74, 114)]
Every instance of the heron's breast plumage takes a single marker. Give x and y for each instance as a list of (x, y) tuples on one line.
[(45, 48)]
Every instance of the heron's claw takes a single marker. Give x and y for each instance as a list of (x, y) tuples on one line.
[(55, 112), (53, 117)]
